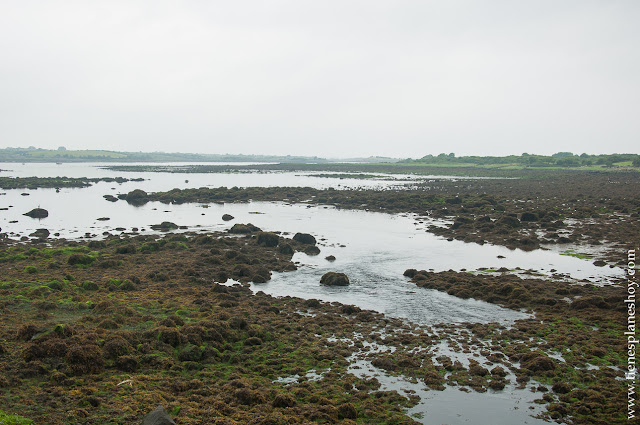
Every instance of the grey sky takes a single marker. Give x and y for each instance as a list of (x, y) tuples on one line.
[(329, 78)]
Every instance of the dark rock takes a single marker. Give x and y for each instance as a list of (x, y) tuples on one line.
[(227, 217), (110, 198), (37, 213), (529, 216), (103, 219), (158, 417), (330, 258), (41, 234), (164, 226), (240, 228), (508, 221), (285, 249), (304, 238), (312, 250), (460, 221), (268, 239), (410, 273), (334, 279), (599, 263), (137, 197)]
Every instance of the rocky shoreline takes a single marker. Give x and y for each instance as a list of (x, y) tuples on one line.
[(597, 211)]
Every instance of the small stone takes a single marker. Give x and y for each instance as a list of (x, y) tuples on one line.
[(158, 417)]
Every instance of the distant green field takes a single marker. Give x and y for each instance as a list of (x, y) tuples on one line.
[(73, 154), (618, 165)]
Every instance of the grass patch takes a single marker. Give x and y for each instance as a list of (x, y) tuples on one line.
[(6, 419), (572, 253)]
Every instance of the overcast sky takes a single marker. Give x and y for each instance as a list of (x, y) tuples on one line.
[(330, 78)]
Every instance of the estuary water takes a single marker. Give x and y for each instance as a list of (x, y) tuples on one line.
[(373, 249)]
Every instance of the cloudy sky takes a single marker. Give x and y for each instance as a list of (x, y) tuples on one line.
[(330, 78)]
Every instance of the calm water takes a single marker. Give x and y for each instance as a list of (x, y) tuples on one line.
[(374, 249), (165, 181)]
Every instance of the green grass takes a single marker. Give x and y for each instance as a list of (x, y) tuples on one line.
[(572, 253), (6, 419), (44, 154)]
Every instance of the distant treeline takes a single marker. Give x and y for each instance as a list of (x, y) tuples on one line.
[(63, 155), (560, 159)]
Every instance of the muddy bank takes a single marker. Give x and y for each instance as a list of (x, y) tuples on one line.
[(387, 168), (57, 182), (105, 331)]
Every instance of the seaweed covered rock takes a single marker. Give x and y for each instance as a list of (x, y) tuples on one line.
[(312, 250), (240, 228), (304, 238), (508, 221), (137, 197), (285, 249), (37, 213), (334, 279), (268, 239), (164, 226), (529, 216), (41, 233), (536, 362)]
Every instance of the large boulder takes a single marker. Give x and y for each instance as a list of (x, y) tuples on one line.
[(41, 233), (312, 250), (268, 239), (37, 213), (240, 228), (164, 226), (137, 197), (158, 417), (285, 248), (304, 238), (334, 279)]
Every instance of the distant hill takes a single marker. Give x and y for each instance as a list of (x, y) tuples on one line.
[(64, 155), (557, 160)]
